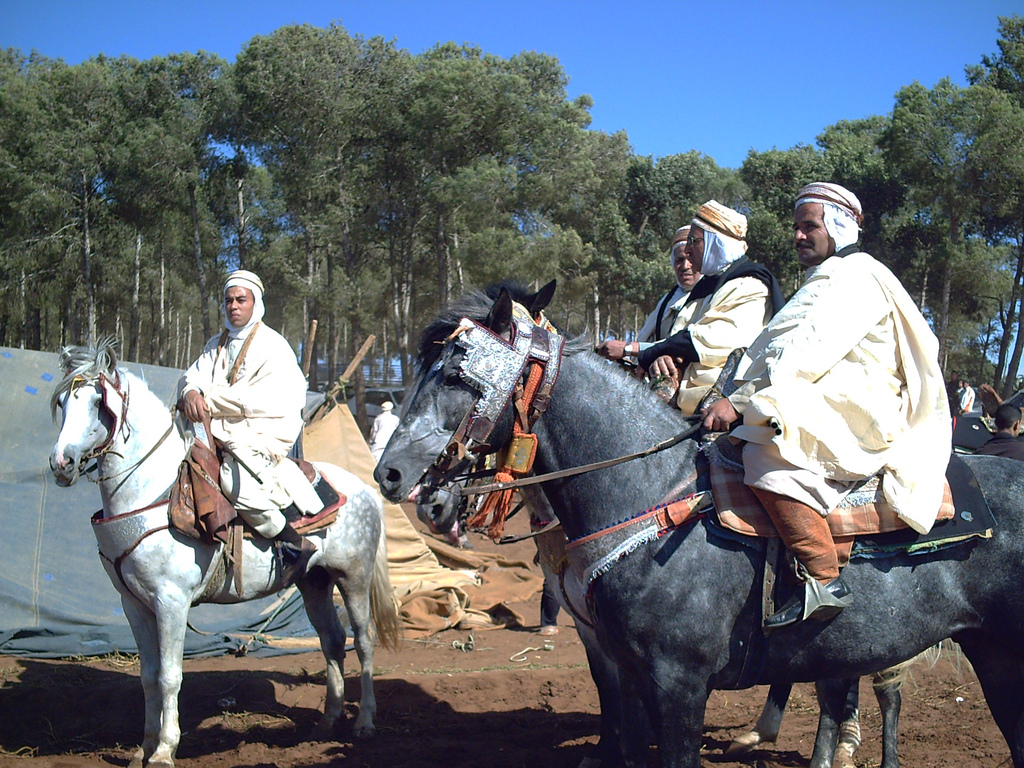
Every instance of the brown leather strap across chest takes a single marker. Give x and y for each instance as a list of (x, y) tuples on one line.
[(233, 373)]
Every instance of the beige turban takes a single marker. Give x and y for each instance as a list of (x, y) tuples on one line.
[(725, 231), (725, 221), (245, 279), (825, 192)]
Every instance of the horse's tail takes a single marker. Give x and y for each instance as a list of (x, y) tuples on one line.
[(383, 606), (898, 674)]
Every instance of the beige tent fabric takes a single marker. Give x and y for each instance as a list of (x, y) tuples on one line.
[(472, 591)]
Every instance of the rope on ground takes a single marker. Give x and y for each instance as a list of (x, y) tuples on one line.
[(520, 656)]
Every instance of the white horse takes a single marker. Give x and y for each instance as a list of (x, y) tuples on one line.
[(111, 417)]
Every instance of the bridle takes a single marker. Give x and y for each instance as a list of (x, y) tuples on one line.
[(520, 370), (114, 396), (113, 401)]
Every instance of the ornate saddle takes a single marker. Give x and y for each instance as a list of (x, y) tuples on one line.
[(199, 509)]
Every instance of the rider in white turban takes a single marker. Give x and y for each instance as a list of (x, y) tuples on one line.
[(248, 383), (843, 384)]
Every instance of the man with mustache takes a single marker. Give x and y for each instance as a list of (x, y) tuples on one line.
[(842, 384)]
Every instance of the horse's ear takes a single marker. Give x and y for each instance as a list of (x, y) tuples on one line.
[(499, 320), (540, 300)]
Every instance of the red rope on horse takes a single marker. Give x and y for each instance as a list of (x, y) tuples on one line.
[(499, 503)]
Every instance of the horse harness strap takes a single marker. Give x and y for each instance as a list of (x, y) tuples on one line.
[(120, 535), (595, 554), (580, 616)]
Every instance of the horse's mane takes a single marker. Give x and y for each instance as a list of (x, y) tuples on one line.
[(476, 305), (85, 362)]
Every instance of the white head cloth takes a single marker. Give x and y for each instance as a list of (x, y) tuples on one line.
[(842, 214), (720, 252), (724, 231), (244, 279)]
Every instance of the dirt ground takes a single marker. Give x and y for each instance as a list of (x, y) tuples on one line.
[(516, 699)]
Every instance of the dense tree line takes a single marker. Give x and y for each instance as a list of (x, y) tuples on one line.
[(366, 185)]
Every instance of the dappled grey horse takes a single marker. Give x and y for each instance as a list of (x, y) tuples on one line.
[(624, 735), (679, 609), (110, 417)]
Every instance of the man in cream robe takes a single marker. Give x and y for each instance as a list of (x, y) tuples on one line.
[(660, 322), (248, 382), (843, 383), (725, 310)]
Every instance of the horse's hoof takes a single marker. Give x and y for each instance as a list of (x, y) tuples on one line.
[(844, 757), (364, 731), (743, 744)]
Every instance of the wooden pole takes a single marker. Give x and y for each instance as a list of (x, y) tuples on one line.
[(307, 352), (351, 368)]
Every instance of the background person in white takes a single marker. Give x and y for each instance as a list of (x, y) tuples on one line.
[(383, 427), (248, 383), (966, 397)]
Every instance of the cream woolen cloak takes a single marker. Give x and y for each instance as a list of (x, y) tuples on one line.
[(847, 372), (730, 318), (262, 410)]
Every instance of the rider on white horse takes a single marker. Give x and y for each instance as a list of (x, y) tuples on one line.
[(248, 383)]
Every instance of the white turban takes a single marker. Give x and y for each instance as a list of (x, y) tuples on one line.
[(242, 278), (842, 211)]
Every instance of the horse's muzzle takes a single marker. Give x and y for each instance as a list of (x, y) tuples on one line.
[(390, 481), (67, 474)]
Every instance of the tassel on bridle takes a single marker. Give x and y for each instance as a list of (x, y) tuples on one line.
[(518, 459)]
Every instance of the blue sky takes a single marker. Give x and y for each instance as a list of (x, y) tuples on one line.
[(718, 77)]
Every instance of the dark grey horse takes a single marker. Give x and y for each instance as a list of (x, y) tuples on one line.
[(680, 613), (623, 735)]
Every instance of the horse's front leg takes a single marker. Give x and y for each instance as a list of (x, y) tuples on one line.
[(143, 624), (887, 693), (171, 617), (833, 699), (161, 641), (676, 698)]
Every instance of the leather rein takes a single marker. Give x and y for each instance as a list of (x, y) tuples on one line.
[(458, 490)]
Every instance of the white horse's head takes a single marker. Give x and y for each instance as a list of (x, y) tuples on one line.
[(88, 420)]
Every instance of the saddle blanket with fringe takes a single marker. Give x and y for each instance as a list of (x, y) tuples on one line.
[(862, 512)]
